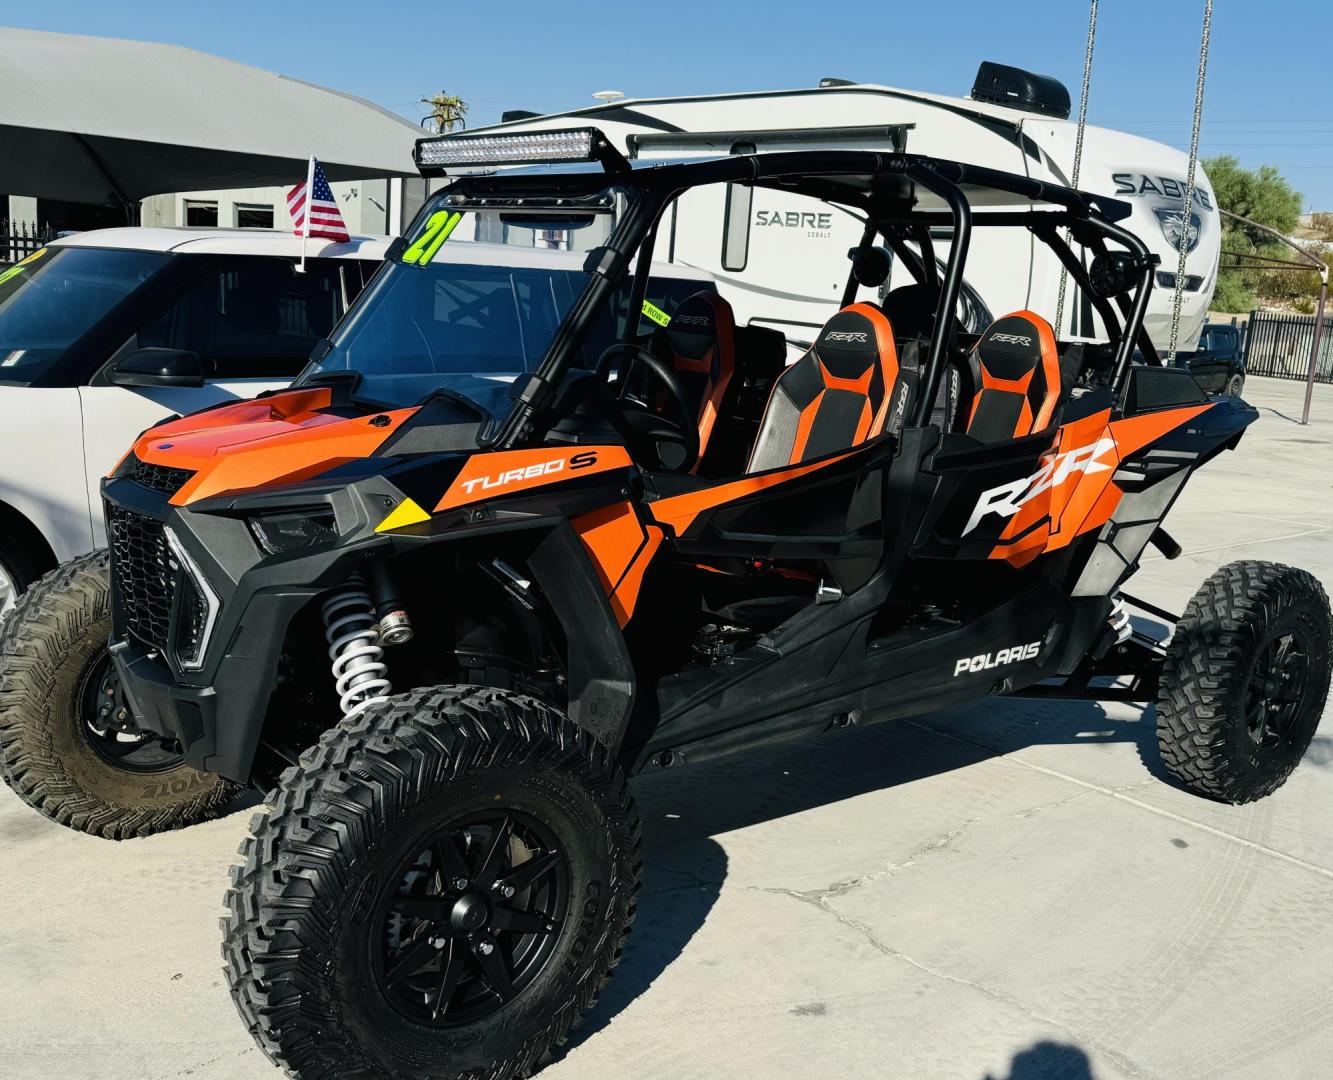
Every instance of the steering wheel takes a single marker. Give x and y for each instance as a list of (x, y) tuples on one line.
[(644, 422)]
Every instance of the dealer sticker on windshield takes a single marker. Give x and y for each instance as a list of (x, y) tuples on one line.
[(438, 228), (655, 313)]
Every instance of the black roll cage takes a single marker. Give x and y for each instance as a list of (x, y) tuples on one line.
[(881, 185)]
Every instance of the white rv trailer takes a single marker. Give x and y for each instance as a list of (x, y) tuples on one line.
[(785, 276)]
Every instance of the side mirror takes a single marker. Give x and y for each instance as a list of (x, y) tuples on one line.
[(158, 367), (1113, 273)]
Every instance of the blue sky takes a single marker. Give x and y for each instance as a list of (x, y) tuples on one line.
[(1269, 98)]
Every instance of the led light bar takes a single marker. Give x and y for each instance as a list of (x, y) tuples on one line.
[(527, 148)]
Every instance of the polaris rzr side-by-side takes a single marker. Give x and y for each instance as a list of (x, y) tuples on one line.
[(508, 541)]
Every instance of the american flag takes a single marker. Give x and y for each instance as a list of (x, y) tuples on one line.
[(326, 219)]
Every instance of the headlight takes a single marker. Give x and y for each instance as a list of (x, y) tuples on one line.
[(279, 534)]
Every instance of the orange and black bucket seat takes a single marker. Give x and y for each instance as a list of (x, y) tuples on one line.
[(836, 396), (1017, 381)]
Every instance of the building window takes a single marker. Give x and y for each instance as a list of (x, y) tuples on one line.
[(253, 216), (204, 214)]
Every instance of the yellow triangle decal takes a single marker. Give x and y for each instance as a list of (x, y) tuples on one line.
[(406, 512)]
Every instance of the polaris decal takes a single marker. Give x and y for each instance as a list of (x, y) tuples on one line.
[(970, 665), (1007, 499)]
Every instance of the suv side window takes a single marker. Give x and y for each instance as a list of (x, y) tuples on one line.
[(255, 318)]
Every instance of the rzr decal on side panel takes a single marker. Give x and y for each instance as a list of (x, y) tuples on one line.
[(1073, 491), (487, 475)]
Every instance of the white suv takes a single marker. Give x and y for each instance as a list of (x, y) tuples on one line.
[(104, 333)]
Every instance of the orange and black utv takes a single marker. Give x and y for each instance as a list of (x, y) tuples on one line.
[(508, 541)]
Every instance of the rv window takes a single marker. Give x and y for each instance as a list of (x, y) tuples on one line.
[(736, 227)]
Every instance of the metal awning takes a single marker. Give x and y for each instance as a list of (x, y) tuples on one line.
[(108, 121)]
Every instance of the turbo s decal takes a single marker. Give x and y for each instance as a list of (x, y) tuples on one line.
[(487, 475)]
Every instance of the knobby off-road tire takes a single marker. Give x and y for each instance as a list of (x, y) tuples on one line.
[(304, 937), (52, 649), (1244, 682)]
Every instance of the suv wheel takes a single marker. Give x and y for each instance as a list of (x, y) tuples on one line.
[(67, 742), (1244, 681), (440, 888), (16, 573), (1235, 385)]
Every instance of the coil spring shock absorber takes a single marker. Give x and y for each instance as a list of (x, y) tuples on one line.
[(352, 631), (1119, 620)]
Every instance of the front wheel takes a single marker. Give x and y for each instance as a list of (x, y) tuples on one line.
[(440, 888), (1244, 681), (68, 744)]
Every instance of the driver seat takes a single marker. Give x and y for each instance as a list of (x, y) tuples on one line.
[(837, 395), (700, 345)]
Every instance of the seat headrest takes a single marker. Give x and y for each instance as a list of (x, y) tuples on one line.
[(853, 340), (1016, 344), (698, 323)]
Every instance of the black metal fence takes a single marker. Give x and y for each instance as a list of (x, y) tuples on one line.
[(1278, 345), (19, 239)]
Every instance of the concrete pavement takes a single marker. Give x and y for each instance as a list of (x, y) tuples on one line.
[(1005, 891)]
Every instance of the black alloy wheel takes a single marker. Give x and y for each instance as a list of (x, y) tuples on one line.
[(1275, 690), (473, 919)]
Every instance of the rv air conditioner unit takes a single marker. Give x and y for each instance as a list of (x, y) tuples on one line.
[(1019, 89)]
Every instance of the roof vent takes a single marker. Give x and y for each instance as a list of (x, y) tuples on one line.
[(510, 115), (1019, 89), (833, 80)]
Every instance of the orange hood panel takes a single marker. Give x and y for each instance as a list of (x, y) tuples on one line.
[(255, 443)]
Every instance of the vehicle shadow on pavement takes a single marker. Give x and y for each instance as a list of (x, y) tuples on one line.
[(683, 809), (1049, 1061)]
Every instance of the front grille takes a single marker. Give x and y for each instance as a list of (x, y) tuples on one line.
[(160, 478), (145, 573)]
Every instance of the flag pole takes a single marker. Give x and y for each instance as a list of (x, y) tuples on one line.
[(309, 200)]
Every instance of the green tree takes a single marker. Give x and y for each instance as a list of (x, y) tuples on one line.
[(447, 111), (1263, 195)]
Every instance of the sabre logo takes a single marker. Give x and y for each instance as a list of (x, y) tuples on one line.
[(1011, 339), (854, 336), (531, 472), (793, 219), (970, 665), (1007, 499)]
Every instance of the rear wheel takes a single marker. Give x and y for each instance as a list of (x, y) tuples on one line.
[(440, 888), (1235, 385), (1244, 681), (68, 743)]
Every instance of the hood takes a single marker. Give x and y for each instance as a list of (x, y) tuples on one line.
[(273, 440)]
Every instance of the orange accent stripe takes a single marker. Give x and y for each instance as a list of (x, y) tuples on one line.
[(620, 549), (679, 511), (803, 425)]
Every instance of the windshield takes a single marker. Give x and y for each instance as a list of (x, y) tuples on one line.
[(471, 303), (56, 295)]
